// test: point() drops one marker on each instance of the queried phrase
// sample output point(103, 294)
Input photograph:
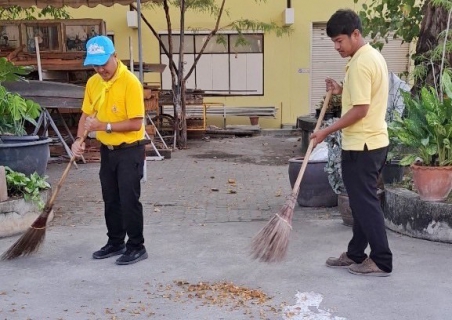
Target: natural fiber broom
point(31, 240)
point(270, 244)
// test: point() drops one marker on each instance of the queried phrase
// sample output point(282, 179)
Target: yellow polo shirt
point(123, 100)
point(366, 82)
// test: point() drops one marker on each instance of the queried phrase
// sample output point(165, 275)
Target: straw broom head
point(270, 244)
point(31, 240)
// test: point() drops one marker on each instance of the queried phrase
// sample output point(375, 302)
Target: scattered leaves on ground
point(221, 294)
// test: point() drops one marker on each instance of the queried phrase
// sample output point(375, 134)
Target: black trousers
point(120, 174)
point(360, 171)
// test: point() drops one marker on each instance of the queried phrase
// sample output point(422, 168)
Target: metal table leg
point(68, 131)
point(55, 128)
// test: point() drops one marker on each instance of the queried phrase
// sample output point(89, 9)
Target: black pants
point(360, 171)
point(120, 174)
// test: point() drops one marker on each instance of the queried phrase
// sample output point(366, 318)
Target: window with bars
point(230, 65)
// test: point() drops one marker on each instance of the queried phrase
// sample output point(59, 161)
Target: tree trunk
point(180, 121)
point(433, 23)
point(183, 139)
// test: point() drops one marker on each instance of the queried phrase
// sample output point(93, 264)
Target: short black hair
point(343, 21)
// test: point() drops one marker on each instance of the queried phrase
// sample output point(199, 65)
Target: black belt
point(127, 145)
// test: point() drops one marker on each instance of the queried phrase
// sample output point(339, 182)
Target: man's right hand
point(78, 148)
point(333, 85)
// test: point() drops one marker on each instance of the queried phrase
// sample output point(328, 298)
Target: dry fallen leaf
point(231, 181)
point(109, 311)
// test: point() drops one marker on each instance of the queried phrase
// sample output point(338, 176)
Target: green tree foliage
point(19, 13)
point(425, 21)
point(383, 19)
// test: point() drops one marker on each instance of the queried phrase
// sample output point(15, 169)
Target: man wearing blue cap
point(113, 108)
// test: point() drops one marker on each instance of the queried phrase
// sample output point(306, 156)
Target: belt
point(127, 145)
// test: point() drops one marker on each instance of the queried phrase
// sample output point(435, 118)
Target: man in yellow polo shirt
point(113, 108)
point(364, 143)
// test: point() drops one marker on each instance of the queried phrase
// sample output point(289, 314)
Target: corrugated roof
point(69, 3)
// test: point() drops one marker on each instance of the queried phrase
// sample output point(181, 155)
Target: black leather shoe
point(109, 250)
point(132, 256)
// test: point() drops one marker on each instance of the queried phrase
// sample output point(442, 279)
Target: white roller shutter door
point(326, 62)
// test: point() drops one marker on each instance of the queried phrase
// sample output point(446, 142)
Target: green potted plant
point(26, 200)
point(27, 187)
point(425, 133)
point(18, 150)
point(15, 111)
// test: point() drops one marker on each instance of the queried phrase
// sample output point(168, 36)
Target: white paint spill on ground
point(307, 308)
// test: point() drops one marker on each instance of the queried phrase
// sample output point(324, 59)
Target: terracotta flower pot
point(432, 183)
point(254, 120)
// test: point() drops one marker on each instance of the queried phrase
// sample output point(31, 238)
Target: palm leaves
point(426, 128)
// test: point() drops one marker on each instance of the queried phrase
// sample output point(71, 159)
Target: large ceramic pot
point(432, 183)
point(315, 190)
point(26, 154)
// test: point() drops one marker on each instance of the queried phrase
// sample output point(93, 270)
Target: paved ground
point(195, 235)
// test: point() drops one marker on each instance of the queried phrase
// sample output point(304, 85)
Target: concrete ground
point(198, 243)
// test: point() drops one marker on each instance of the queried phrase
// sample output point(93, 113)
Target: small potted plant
point(18, 150)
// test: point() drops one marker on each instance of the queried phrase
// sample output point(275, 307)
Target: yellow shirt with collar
point(366, 82)
point(123, 101)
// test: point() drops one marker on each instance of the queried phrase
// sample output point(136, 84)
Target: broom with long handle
point(271, 242)
point(30, 241)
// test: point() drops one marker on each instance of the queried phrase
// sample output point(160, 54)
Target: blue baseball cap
point(98, 51)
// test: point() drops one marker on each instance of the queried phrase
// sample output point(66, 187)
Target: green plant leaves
point(426, 128)
point(15, 111)
point(11, 72)
point(29, 187)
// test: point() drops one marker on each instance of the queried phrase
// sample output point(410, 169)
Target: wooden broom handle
point(296, 186)
point(50, 202)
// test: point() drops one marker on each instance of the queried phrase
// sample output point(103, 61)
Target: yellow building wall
point(286, 59)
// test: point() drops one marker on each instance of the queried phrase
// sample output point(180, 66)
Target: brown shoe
point(367, 268)
point(342, 262)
